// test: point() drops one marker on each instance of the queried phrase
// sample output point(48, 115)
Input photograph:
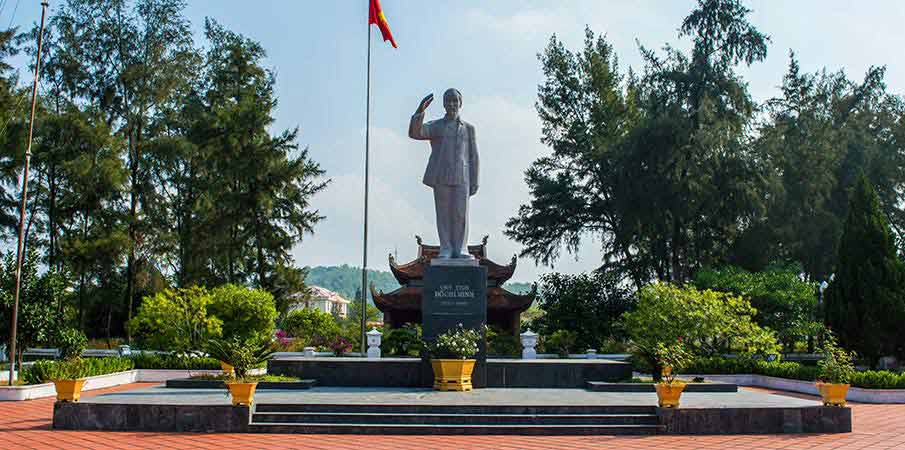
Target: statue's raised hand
point(425, 102)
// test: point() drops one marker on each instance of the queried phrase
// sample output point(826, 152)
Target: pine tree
point(865, 303)
point(261, 184)
point(657, 166)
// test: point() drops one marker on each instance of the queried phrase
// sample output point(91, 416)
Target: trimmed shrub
point(871, 379)
point(404, 341)
point(500, 343)
point(786, 369)
point(314, 327)
point(246, 313)
point(706, 321)
point(46, 371)
point(175, 320)
point(562, 342)
point(878, 379)
point(152, 361)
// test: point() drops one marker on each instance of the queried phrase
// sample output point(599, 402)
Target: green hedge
point(873, 379)
point(152, 361)
point(879, 379)
point(45, 371)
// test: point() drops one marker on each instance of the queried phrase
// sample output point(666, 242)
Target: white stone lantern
point(529, 341)
point(308, 352)
point(373, 343)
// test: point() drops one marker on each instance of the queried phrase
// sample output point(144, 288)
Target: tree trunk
point(20, 351)
point(675, 269)
point(260, 247)
point(109, 321)
point(133, 232)
point(82, 298)
point(51, 219)
point(82, 275)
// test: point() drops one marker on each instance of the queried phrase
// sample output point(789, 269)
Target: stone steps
point(453, 408)
point(458, 419)
point(454, 419)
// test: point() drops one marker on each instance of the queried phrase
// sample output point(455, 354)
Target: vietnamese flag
point(376, 17)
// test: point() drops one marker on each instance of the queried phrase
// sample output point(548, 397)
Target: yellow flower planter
point(242, 393)
point(452, 374)
point(226, 367)
point(833, 394)
point(69, 390)
point(668, 394)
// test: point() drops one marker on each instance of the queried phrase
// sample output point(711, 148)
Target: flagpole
point(19, 256)
point(364, 262)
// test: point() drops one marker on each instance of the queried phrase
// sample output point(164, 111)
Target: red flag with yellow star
point(376, 17)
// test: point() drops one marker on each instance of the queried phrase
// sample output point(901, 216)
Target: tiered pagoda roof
point(404, 304)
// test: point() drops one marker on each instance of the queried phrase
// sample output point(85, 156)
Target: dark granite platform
point(190, 383)
point(602, 386)
point(413, 372)
point(424, 411)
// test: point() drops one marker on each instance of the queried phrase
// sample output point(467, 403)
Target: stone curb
point(855, 394)
point(30, 392)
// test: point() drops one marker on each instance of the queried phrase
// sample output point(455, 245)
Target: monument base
point(456, 296)
point(422, 411)
point(413, 372)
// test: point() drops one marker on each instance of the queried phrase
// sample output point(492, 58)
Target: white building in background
point(324, 300)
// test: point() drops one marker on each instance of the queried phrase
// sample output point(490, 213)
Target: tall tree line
point(675, 167)
point(154, 161)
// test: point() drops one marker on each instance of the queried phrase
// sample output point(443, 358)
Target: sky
point(487, 50)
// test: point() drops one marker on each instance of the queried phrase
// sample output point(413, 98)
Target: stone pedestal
point(373, 343)
point(453, 295)
point(529, 341)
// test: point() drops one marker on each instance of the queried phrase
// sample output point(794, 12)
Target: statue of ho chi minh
point(452, 170)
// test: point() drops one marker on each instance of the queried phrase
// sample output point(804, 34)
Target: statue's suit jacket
point(454, 151)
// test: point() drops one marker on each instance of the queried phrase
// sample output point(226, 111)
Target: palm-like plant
point(242, 355)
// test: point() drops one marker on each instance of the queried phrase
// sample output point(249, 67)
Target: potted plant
point(242, 356)
point(68, 374)
point(672, 359)
point(835, 371)
point(68, 379)
point(451, 358)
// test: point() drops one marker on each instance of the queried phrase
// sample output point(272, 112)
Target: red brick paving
point(26, 425)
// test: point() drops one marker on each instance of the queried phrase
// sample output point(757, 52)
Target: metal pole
point(364, 262)
point(19, 256)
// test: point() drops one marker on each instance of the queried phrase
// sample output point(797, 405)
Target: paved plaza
point(26, 425)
